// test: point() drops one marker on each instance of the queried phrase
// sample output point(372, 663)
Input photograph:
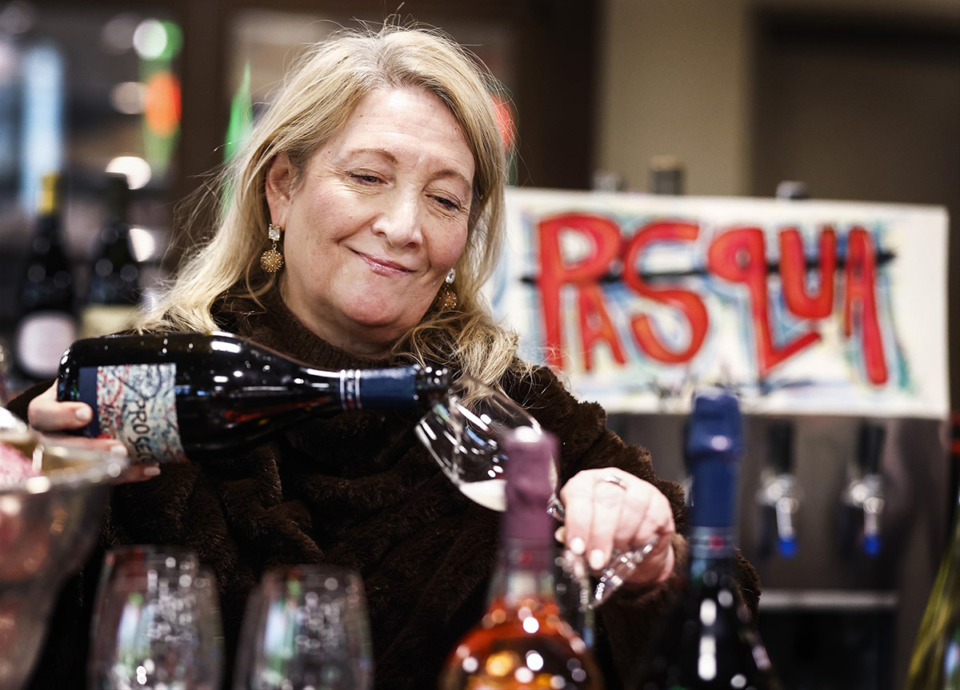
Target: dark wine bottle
point(182, 395)
point(522, 642)
point(113, 294)
point(708, 639)
point(46, 324)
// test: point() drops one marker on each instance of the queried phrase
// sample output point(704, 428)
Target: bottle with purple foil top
point(708, 639)
point(184, 395)
point(522, 640)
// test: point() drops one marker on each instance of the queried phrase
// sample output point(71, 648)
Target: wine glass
point(156, 623)
point(305, 628)
point(463, 431)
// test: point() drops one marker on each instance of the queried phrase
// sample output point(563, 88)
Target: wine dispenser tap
point(779, 495)
point(863, 496)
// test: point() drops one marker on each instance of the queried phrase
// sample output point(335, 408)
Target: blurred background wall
point(858, 99)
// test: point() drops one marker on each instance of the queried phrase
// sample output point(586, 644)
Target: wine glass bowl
point(463, 432)
point(48, 526)
point(305, 627)
point(156, 622)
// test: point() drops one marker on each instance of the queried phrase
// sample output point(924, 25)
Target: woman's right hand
point(48, 415)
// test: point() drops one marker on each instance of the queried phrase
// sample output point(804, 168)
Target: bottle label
point(137, 404)
point(42, 338)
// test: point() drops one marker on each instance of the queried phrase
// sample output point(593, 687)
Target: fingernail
point(150, 471)
point(558, 535)
point(597, 559)
point(84, 414)
point(118, 448)
point(578, 546)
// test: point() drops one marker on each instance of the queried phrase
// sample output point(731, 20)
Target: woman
point(364, 215)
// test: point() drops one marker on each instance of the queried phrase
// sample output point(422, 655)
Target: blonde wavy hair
point(313, 106)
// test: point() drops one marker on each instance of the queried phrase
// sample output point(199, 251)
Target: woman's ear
point(279, 180)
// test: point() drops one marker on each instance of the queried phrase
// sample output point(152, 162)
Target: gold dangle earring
point(272, 260)
point(447, 298)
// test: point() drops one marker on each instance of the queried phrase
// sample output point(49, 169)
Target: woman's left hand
point(609, 510)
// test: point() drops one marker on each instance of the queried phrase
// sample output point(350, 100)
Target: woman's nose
point(399, 221)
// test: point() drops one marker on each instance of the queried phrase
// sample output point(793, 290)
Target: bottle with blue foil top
point(708, 639)
point(176, 396)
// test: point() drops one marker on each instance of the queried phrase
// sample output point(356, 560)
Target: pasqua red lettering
point(740, 256)
point(860, 303)
point(793, 274)
point(686, 302)
point(596, 326)
point(604, 237)
point(737, 255)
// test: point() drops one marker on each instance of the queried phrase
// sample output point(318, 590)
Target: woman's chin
point(387, 318)
point(378, 328)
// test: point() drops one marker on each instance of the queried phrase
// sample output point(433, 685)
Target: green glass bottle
point(935, 662)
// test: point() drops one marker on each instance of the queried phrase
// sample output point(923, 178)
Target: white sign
point(801, 306)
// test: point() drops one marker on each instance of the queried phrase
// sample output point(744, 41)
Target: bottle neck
point(49, 196)
point(712, 549)
point(48, 231)
point(714, 492)
point(525, 572)
point(712, 534)
point(527, 551)
point(381, 388)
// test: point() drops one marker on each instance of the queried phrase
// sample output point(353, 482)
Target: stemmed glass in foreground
point(463, 432)
point(305, 627)
point(156, 622)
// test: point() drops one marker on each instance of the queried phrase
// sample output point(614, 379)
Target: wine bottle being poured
point(179, 395)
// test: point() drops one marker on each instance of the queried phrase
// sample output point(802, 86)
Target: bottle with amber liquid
point(708, 640)
point(185, 395)
point(522, 641)
point(113, 293)
point(47, 323)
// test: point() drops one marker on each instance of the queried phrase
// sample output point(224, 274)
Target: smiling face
point(376, 220)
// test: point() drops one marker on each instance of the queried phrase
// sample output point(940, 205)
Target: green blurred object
point(935, 662)
point(241, 116)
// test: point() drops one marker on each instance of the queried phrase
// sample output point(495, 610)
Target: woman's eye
point(447, 203)
point(366, 178)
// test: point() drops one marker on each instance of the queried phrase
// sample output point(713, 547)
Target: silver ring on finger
point(615, 480)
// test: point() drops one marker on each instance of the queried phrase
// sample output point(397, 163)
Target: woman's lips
point(384, 266)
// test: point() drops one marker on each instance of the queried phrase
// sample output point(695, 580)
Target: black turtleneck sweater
point(357, 490)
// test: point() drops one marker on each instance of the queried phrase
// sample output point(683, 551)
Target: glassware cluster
point(157, 626)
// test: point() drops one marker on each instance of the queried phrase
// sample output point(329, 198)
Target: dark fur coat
point(357, 490)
